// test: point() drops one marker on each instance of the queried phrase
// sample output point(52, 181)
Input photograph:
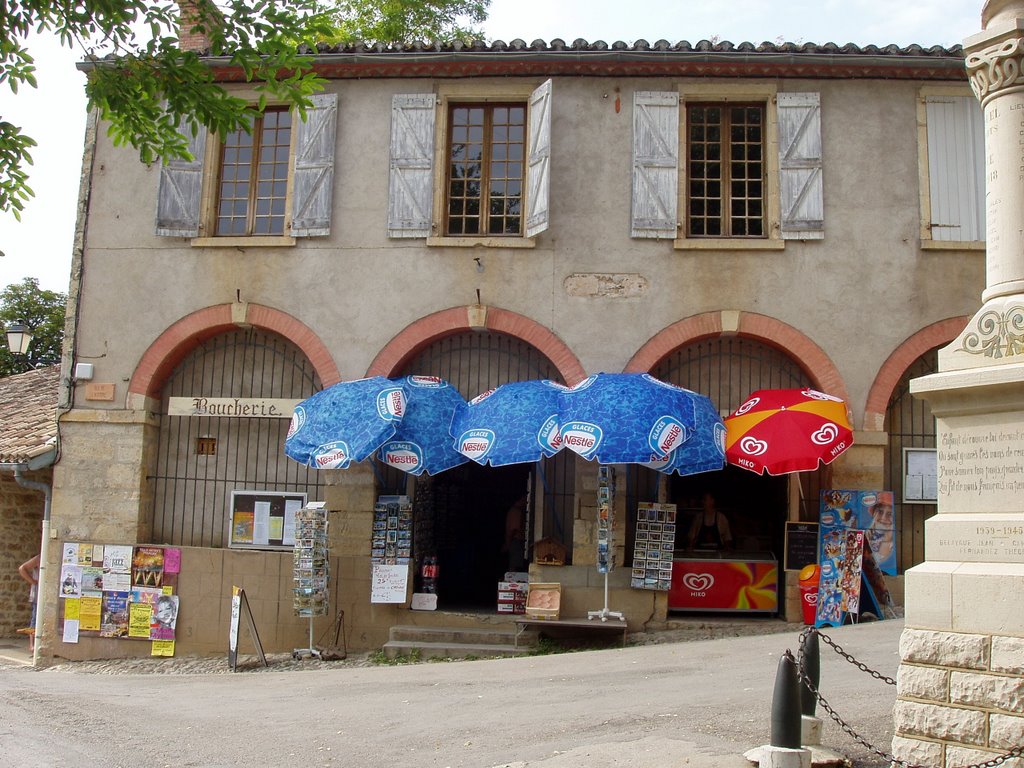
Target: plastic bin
point(809, 577)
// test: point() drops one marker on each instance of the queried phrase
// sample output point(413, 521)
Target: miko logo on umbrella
point(826, 435)
point(404, 455)
point(476, 443)
point(333, 455)
point(391, 404)
point(753, 447)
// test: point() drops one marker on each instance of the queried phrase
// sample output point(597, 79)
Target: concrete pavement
point(668, 705)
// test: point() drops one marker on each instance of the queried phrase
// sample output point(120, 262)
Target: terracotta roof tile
point(28, 414)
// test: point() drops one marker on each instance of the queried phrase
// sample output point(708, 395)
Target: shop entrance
point(467, 518)
point(756, 506)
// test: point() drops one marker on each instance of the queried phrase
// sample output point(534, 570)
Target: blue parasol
point(344, 423)
point(422, 442)
point(515, 423)
point(625, 418)
point(704, 450)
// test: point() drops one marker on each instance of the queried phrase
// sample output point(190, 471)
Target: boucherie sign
point(234, 407)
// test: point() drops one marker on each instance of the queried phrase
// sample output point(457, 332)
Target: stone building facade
point(838, 251)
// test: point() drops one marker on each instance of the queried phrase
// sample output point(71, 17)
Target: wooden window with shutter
point(252, 178)
point(485, 169)
point(725, 146)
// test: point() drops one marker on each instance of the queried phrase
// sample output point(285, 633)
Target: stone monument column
point(961, 680)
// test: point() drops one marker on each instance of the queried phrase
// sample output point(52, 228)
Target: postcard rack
point(605, 536)
point(311, 569)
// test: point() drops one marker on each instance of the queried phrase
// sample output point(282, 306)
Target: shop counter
point(725, 582)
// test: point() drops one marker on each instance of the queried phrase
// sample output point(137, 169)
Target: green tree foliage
point(143, 85)
point(405, 21)
point(43, 312)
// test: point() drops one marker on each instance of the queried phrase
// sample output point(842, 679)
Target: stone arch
point(892, 370)
point(419, 334)
point(818, 365)
point(171, 346)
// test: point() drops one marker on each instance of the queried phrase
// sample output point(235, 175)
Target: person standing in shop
point(711, 528)
point(515, 535)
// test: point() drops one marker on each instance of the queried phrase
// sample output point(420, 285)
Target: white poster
point(291, 506)
point(261, 523)
point(70, 631)
point(388, 583)
point(117, 558)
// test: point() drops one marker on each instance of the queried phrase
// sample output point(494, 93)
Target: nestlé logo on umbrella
point(549, 436)
point(667, 434)
point(391, 404)
point(333, 455)
point(476, 443)
point(582, 437)
point(403, 454)
point(297, 422)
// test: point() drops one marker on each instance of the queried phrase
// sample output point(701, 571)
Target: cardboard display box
point(543, 600)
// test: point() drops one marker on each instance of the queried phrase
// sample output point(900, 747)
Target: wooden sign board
point(239, 608)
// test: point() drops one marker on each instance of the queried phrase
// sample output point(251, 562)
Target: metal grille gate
point(201, 459)
point(727, 369)
point(910, 424)
point(474, 362)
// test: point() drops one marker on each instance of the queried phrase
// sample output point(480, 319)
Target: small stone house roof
point(28, 414)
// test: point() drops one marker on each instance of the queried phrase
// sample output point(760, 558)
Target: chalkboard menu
point(801, 545)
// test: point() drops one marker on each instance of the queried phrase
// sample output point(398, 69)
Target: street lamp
point(19, 336)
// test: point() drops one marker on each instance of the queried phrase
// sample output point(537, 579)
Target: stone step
point(396, 648)
point(457, 642)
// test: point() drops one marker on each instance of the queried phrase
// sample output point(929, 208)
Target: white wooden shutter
point(956, 167)
point(655, 163)
point(313, 168)
point(180, 189)
point(538, 168)
point(410, 188)
point(801, 191)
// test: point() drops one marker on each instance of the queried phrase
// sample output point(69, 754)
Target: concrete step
point(457, 642)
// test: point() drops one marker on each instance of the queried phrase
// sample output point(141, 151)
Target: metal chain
point(838, 649)
point(848, 729)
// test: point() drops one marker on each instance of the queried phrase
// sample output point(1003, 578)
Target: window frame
point(726, 179)
point(475, 93)
point(211, 194)
point(254, 164)
point(732, 93)
point(486, 163)
point(924, 172)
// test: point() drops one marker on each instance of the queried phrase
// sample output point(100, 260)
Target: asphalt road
point(689, 704)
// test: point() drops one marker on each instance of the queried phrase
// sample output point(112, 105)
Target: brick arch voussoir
point(892, 370)
point(421, 333)
point(822, 371)
point(170, 348)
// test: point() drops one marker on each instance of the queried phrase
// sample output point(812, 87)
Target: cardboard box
point(511, 606)
point(544, 600)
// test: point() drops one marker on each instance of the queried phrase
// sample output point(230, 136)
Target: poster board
point(801, 547)
point(263, 519)
point(920, 476)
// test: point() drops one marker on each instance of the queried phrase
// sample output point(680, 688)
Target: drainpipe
point(44, 547)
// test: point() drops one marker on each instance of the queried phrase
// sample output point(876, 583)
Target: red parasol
point(787, 430)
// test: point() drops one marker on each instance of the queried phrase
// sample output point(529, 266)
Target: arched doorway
point(909, 424)
point(460, 515)
point(727, 368)
point(200, 460)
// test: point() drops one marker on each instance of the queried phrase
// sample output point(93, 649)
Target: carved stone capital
point(994, 336)
point(996, 67)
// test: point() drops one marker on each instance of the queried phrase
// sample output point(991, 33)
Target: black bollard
point(786, 705)
point(810, 667)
